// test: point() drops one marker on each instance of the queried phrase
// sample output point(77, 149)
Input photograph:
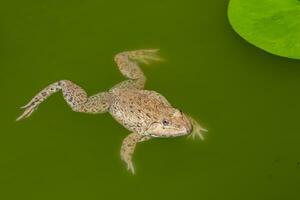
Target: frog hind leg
point(74, 95)
point(128, 64)
point(128, 146)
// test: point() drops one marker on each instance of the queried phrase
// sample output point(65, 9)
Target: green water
point(248, 99)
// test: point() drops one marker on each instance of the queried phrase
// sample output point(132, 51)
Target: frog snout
point(189, 129)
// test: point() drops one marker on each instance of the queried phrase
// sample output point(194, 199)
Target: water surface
point(248, 99)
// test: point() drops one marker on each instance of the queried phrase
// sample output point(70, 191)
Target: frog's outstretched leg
point(197, 129)
point(128, 147)
point(128, 65)
point(74, 95)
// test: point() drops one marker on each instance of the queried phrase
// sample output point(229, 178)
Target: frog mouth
point(168, 135)
point(170, 131)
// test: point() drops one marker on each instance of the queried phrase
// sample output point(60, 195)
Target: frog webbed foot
point(145, 56)
point(29, 109)
point(198, 130)
point(129, 163)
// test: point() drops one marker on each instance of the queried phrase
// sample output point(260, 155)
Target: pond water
point(246, 98)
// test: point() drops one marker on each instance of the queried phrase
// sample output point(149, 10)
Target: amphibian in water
point(147, 114)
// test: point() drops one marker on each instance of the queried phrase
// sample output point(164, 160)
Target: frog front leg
point(128, 147)
point(74, 95)
point(128, 61)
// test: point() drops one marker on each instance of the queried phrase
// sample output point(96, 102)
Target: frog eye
point(165, 122)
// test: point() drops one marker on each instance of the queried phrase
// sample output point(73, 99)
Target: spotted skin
point(74, 95)
point(147, 114)
point(128, 65)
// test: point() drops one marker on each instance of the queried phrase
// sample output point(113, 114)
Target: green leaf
point(272, 25)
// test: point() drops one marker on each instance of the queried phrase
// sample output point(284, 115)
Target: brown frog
point(147, 114)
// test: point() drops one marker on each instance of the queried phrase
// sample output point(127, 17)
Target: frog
point(147, 114)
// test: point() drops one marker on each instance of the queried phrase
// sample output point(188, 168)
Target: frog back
point(137, 109)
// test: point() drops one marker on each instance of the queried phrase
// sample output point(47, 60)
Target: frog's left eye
point(165, 122)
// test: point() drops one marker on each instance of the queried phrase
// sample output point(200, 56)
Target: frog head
point(173, 123)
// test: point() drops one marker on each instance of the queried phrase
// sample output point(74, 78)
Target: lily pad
point(272, 25)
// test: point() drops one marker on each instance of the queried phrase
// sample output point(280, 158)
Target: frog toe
point(198, 132)
point(146, 56)
point(130, 167)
